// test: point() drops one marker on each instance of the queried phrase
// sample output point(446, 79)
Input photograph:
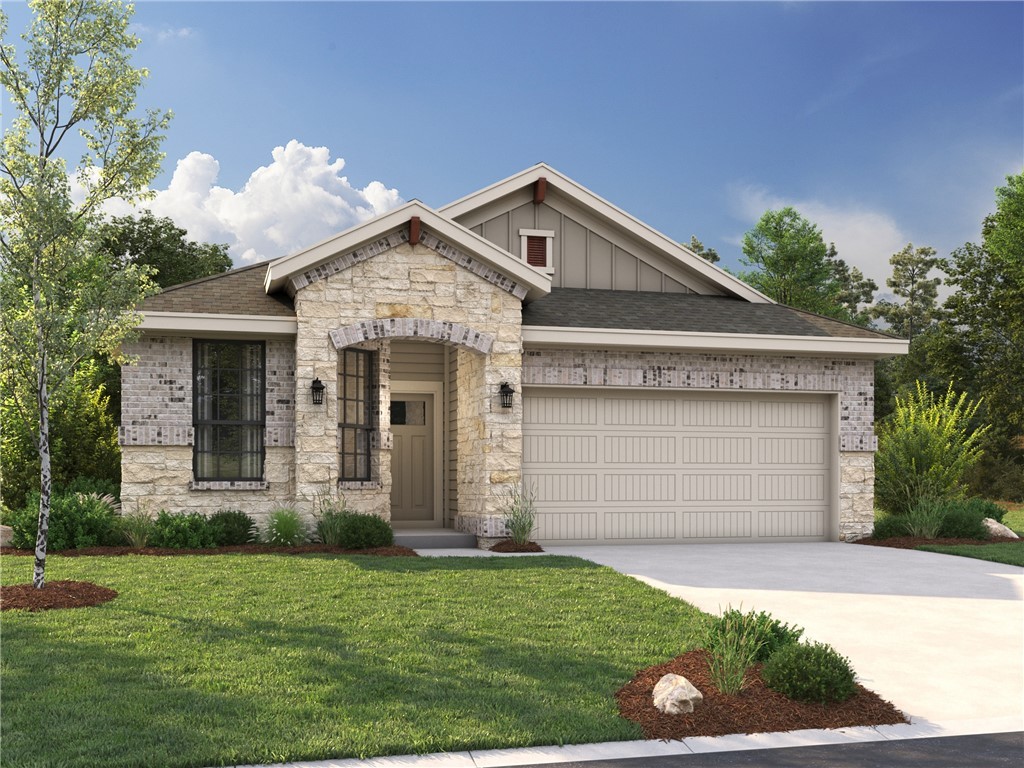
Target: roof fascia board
point(537, 283)
point(614, 214)
point(194, 323)
point(550, 336)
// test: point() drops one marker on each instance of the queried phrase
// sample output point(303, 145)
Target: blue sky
point(882, 122)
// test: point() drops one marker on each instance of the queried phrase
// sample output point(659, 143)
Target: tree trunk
point(45, 481)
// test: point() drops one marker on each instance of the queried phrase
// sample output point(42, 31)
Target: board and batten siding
point(679, 466)
point(586, 253)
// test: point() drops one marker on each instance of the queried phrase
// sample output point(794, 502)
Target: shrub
point(963, 520)
point(77, 520)
point(231, 527)
point(190, 531)
point(888, 526)
point(925, 520)
point(985, 508)
point(732, 643)
point(813, 672)
point(520, 513)
point(931, 519)
point(284, 528)
point(999, 477)
point(329, 527)
point(767, 632)
point(358, 531)
point(137, 528)
point(925, 449)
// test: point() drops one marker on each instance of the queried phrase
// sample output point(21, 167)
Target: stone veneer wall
point(156, 434)
point(410, 292)
point(853, 380)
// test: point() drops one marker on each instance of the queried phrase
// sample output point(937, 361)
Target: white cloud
point(161, 34)
point(864, 238)
point(297, 200)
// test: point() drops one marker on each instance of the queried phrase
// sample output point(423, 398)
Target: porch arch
point(412, 328)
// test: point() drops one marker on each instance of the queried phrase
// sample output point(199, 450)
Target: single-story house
point(424, 362)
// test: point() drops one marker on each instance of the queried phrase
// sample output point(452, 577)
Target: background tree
point(793, 266)
point(63, 298)
point(708, 254)
point(162, 245)
point(911, 282)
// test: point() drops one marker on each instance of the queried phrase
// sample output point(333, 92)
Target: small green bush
point(76, 521)
point(985, 508)
point(814, 672)
point(767, 632)
point(137, 528)
point(358, 531)
point(284, 528)
point(232, 527)
point(963, 520)
point(888, 526)
point(191, 531)
point(330, 516)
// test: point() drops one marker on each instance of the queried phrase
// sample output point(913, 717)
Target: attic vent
point(537, 248)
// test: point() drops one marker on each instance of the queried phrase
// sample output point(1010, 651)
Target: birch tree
point(73, 89)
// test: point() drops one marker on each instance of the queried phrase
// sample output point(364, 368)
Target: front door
point(414, 460)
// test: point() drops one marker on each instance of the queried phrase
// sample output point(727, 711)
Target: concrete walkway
point(940, 637)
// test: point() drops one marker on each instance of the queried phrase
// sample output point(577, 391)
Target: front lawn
point(1014, 518)
point(267, 658)
point(1010, 554)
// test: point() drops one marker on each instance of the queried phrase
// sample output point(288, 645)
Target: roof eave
point(875, 349)
point(204, 323)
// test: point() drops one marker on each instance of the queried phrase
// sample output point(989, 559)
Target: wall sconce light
point(506, 391)
point(317, 389)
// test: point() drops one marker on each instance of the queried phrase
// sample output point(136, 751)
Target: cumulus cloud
point(297, 200)
point(864, 238)
point(160, 34)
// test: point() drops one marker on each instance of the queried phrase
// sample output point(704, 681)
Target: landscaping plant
point(810, 672)
point(77, 520)
point(284, 528)
point(767, 632)
point(137, 528)
point(330, 514)
point(191, 531)
point(732, 642)
point(359, 531)
point(231, 527)
point(520, 513)
point(925, 449)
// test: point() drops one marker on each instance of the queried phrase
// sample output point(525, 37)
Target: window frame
point(549, 241)
point(366, 403)
point(257, 425)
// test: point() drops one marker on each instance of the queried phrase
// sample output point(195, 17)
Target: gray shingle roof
point(685, 312)
point(238, 292)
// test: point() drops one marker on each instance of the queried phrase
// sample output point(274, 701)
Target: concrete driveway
point(941, 637)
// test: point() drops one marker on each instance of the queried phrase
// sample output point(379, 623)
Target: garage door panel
point(717, 524)
point(705, 487)
point(564, 487)
point(716, 413)
point(716, 450)
point(791, 415)
point(560, 410)
point(790, 487)
point(560, 449)
point(633, 412)
point(567, 526)
point(642, 450)
point(639, 487)
point(790, 524)
point(631, 524)
point(803, 451)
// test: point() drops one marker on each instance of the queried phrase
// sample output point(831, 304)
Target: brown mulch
point(251, 549)
point(911, 542)
point(54, 594)
point(756, 709)
point(507, 545)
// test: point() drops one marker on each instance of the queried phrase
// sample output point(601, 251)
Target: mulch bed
point(755, 709)
point(54, 594)
point(250, 549)
point(507, 545)
point(912, 542)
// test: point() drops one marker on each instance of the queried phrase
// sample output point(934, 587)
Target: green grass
point(248, 659)
point(1014, 518)
point(1010, 554)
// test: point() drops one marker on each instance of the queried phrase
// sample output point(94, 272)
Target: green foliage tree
point(986, 311)
point(925, 449)
point(64, 299)
point(162, 245)
point(792, 265)
point(708, 254)
point(911, 282)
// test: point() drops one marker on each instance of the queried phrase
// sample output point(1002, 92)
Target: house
point(424, 362)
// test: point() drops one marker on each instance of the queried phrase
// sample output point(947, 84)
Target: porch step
point(434, 538)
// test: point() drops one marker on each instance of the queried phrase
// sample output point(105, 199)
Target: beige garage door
point(629, 466)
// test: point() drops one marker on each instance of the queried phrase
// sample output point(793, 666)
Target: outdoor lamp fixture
point(506, 393)
point(317, 388)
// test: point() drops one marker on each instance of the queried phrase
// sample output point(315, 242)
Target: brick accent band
point(412, 328)
point(343, 262)
point(466, 261)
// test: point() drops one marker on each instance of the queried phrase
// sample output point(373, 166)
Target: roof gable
point(681, 265)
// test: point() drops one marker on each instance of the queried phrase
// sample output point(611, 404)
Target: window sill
point(228, 485)
point(358, 485)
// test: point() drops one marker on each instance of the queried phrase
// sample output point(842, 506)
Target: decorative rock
point(6, 535)
point(998, 529)
point(675, 695)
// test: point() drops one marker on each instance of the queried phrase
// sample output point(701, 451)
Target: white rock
point(6, 535)
point(998, 529)
point(675, 695)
